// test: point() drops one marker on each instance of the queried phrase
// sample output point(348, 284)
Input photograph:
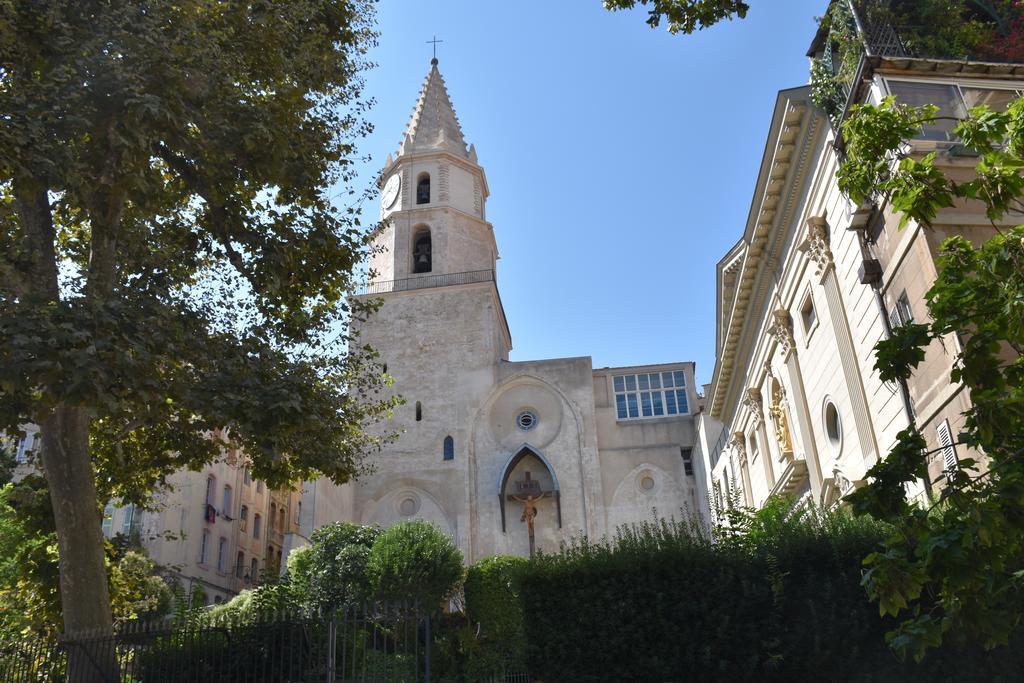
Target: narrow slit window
point(419, 411)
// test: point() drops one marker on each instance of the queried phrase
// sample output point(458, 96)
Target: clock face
point(390, 192)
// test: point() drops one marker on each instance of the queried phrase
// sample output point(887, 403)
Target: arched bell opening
point(423, 189)
point(422, 250)
point(527, 473)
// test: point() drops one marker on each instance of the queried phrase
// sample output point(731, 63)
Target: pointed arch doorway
point(529, 481)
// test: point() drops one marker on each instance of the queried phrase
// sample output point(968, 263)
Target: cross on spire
point(434, 42)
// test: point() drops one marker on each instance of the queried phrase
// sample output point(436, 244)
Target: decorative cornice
point(794, 127)
point(781, 328)
point(739, 446)
point(816, 245)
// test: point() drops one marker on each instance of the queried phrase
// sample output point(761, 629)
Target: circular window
point(526, 420)
point(647, 483)
point(408, 507)
point(833, 425)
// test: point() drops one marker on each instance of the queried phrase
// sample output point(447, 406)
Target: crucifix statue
point(531, 489)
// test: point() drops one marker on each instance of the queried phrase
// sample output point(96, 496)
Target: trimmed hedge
point(782, 601)
point(492, 601)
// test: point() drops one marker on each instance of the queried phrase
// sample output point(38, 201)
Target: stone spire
point(434, 127)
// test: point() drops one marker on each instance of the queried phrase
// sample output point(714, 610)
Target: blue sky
point(620, 159)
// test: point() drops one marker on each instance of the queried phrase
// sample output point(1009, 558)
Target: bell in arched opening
point(423, 189)
point(421, 253)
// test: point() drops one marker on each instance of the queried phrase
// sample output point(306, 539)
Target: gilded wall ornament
point(779, 412)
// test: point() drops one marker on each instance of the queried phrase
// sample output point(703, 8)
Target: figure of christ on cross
point(529, 501)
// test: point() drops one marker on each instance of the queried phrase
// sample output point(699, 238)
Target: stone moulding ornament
point(752, 400)
point(781, 328)
point(816, 246)
point(738, 444)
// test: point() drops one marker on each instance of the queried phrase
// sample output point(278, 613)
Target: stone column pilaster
point(817, 248)
point(752, 399)
point(782, 329)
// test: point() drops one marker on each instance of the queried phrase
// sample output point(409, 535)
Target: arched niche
point(542, 480)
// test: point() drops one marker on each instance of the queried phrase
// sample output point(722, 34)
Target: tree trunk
point(85, 597)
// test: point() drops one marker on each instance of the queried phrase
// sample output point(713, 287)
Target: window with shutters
point(945, 436)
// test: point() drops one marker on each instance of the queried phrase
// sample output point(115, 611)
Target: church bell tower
point(441, 330)
point(433, 198)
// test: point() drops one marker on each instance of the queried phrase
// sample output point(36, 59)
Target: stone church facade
point(479, 433)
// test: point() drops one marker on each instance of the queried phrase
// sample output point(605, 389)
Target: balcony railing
point(428, 281)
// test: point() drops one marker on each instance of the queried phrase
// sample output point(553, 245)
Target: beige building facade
point(795, 405)
point(480, 434)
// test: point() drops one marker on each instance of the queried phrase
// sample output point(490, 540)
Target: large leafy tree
point(956, 568)
point(174, 273)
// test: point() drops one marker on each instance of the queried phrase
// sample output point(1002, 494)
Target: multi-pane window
point(653, 394)
point(256, 525)
point(901, 314)
point(128, 519)
point(26, 445)
point(226, 501)
point(243, 515)
point(953, 102)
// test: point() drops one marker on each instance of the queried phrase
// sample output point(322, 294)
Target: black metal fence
point(369, 643)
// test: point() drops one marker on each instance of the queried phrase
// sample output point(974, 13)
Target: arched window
point(423, 189)
point(284, 521)
point(240, 565)
point(256, 519)
point(449, 448)
point(419, 411)
point(273, 516)
point(226, 501)
point(298, 512)
point(243, 516)
point(254, 570)
point(422, 248)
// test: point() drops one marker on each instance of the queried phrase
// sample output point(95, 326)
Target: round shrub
point(415, 561)
point(333, 574)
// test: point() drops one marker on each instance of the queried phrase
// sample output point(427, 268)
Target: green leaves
point(952, 571)
point(684, 16)
point(896, 357)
